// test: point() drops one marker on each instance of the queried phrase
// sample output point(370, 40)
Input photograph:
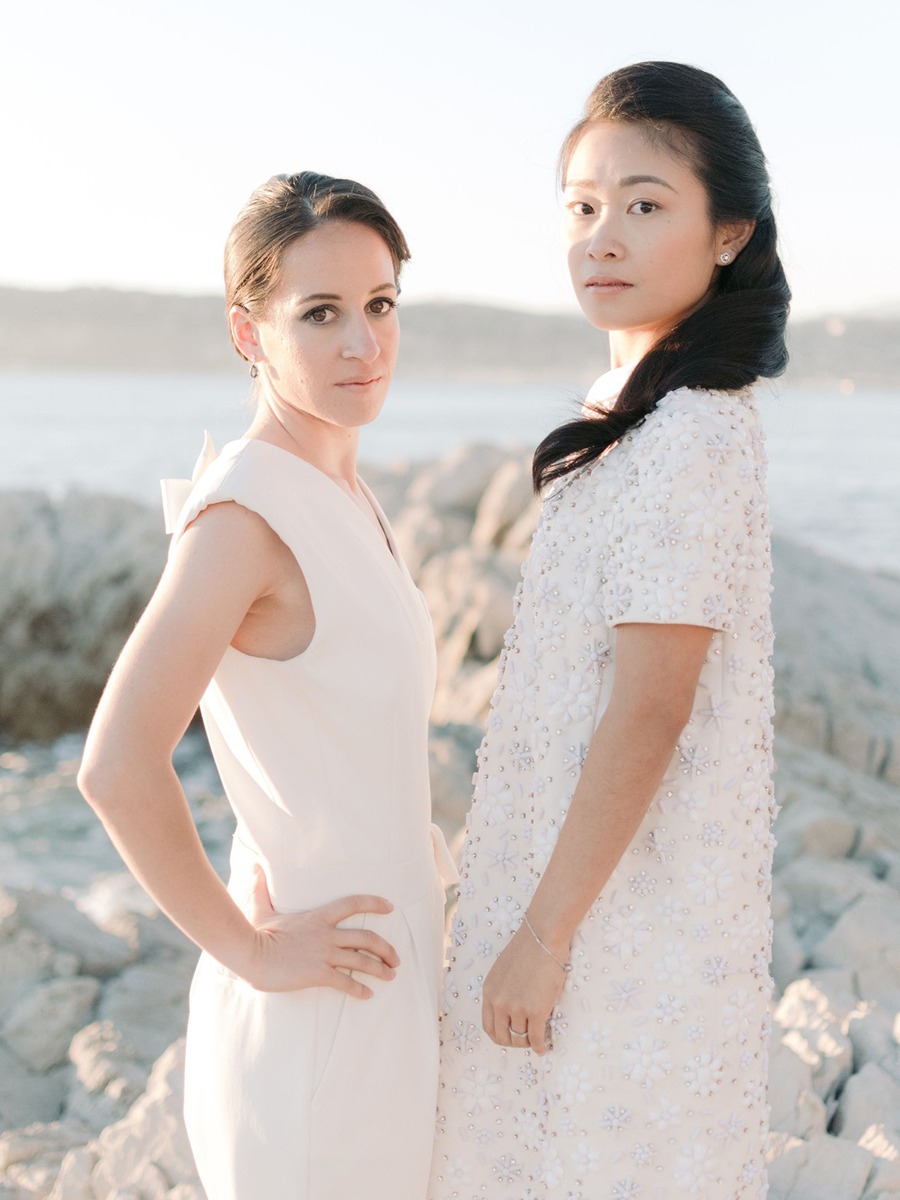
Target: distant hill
point(96, 329)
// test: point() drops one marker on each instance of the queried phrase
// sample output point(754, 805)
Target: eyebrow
point(628, 181)
point(332, 296)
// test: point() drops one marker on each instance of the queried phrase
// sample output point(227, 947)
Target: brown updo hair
point(282, 210)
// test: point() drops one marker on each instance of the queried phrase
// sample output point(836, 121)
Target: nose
point(604, 241)
point(361, 342)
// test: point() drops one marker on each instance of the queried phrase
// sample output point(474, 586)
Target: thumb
point(260, 900)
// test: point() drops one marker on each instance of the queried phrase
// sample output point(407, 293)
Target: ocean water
point(834, 480)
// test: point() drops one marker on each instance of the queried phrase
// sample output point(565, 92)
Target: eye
point(643, 207)
point(323, 315)
point(382, 305)
point(581, 208)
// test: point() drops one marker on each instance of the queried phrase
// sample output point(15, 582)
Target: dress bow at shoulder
point(175, 492)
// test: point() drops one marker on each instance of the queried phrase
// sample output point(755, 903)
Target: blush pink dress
point(312, 1094)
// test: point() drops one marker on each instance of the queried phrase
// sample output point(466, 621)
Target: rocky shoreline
point(93, 981)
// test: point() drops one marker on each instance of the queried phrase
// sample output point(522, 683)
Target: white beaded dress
point(655, 1086)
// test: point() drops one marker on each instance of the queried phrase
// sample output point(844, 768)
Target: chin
point(362, 418)
point(596, 316)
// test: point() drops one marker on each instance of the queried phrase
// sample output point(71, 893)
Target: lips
point(606, 283)
point(359, 382)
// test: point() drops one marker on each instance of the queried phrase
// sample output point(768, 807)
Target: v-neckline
point(382, 533)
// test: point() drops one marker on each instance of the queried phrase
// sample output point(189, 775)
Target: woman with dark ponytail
point(605, 1022)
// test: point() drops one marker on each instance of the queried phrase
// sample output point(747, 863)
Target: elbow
point(679, 713)
point(100, 779)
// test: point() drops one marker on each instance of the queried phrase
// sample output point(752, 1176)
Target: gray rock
point(821, 889)
point(458, 480)
point(880, 981)
point(41, 1145)
point(815, 1025)
point(867, 934)
point(870, 1098)
point(152, 933)
point(27, 1096)
point(421, 534)
point(884, 1146)
point(803, 718)
point(836, 647)
point(813, 828)
point(40, 1027)
point(74, 1179)
point(59, 922)
point(451, 751)
point(150, 1144)
point(75, 574)
point(785, 1156)
point(506, 498)
point(819, 998)
point(466, 697)
point(32, 1178)
point(109, 1075)
point(823, 1168)
point(25, 960)
point(518, 540)
point(788, 954)
point(470, 595)
point(872, 1033)
point(148, 1004)
point(796, 1109)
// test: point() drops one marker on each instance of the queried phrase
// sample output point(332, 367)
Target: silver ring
point(515, 1033)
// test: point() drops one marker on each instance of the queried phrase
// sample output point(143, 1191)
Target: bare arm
point(657, 670)
point(128, 777)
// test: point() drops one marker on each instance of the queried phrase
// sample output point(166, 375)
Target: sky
point(134, 132)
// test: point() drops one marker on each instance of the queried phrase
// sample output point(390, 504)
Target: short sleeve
point(681, 524)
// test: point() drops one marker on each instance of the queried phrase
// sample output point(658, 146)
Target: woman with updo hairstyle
point(605, 1006)
point(286, 612)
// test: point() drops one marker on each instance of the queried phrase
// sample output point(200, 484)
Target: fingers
point(355, 960)
point(537, 1036)
point(346, 983)
point(349, 906)
point(372, 943)
point(487, 1019)
point(502, 1023)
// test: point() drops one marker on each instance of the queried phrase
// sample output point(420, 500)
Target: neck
point(330, 448)
point(628, 346)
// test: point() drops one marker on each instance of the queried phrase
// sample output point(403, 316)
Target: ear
point(733, 237)
point(244, 333)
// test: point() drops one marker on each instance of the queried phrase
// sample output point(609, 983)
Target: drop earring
point(254, 369)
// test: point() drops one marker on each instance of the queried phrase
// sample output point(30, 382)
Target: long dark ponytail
point(737, 335)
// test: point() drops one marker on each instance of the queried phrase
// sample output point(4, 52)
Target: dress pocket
point(331, 1017)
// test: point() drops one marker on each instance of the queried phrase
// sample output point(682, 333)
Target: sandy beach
point(93, 981)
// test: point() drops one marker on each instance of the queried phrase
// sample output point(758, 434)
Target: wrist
point(553, 929)
point(559, 955)
point(243, 953)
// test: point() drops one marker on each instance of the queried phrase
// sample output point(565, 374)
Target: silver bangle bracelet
point(566, 966)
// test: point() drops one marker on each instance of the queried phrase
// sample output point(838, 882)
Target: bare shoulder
point(228, 536)
point(228, 523)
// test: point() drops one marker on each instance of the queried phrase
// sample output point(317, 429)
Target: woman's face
point(328, 340)
point(642, 250)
